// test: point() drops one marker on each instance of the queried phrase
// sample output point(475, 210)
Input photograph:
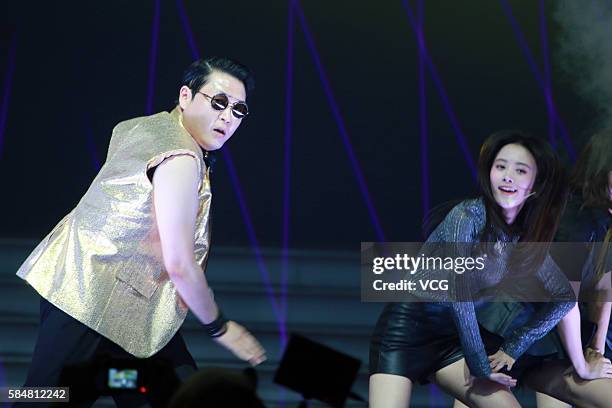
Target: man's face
point(209, 127)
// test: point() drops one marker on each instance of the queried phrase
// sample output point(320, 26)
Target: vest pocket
point(140, 276)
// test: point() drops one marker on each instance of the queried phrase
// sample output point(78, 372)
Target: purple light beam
point(287, 162)
point(153, 58)
point(441, 91)
point(423, 114)
point(195, 53)
point(531, 61)
point(8, 80)
point(340, 122)
point(93, 151)
point(547, 76)
point(241, 201)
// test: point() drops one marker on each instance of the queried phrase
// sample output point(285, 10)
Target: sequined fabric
point(102, 264)
point(464, 224)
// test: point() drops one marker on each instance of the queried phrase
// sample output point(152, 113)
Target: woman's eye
point(521, 171)
point(500, 166)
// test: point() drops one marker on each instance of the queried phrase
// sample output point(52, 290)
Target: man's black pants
point(65, 342)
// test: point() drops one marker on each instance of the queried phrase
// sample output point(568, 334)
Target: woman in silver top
point(523, 194)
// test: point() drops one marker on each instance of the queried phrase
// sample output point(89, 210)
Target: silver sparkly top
point(464, 224)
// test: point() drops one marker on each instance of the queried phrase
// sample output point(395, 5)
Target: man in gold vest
point(119, 272)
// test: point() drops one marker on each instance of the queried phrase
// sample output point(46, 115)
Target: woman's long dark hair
point(539, 217)
point(590, 176)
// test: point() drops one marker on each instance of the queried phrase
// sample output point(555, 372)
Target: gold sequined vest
point(102, 264)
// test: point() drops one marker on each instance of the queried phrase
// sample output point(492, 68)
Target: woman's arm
point(590, 368)
point(569, 332)
point(548, 315)
point(599, 312)
point(454, 237)
point(459, 230)
point(476, 358)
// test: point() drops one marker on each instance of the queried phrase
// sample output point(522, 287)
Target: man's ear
point(184, 96)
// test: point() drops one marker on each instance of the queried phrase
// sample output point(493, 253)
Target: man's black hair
point(196, 75)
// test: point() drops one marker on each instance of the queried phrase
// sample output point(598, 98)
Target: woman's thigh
point(389, 391)
point(546, 401)
point(557, 379)
point(455, 380)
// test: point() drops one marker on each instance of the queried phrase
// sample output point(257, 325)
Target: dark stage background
point(71, 70)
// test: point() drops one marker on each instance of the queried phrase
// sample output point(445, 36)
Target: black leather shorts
point(414, 340)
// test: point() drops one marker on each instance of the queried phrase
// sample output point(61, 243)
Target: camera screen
point(123, 379)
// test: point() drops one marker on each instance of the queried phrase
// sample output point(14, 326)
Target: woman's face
point(512, 177)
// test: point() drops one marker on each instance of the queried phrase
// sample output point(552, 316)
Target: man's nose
point(226, 114)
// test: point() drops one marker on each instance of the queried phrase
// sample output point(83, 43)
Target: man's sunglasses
point(220, 102)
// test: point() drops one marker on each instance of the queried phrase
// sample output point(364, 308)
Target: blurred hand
point(239, 341)
point(500, 359)
point(597, 366)
point(503, 379)
point(499, 378)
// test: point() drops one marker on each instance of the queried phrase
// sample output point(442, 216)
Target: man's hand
point(500, 359)
point(239, 341)
point(597, 366)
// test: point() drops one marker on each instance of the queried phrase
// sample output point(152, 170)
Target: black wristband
point(217, 327)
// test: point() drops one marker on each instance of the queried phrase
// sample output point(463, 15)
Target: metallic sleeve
point(464, 317)
point(461, 226)
point(548, 315)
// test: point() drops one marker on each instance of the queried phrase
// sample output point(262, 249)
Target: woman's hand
point(596, 366)
point(500, 359)
point(503, 379)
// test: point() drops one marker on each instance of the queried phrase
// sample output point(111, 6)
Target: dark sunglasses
point(220, 102)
